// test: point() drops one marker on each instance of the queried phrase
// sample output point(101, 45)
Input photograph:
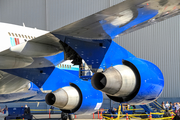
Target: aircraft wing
point(121, 18)
point(90, 38)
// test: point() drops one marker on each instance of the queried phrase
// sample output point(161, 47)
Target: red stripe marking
point(174, 7)
point(165, 7)
point(16, 41)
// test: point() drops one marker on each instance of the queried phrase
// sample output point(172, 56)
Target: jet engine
point(79, 97)
point(135, 81)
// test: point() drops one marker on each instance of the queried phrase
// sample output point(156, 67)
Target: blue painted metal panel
point(114, 56)
point(56, 59)
point(151, 78)
point(151, 81)
point(96, 55)
point(74, 72)
point(91, 98)
point(58, 79)
point(89, 50)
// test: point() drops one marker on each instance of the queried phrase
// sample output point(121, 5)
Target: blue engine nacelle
point(79, 97)
point(135, 82)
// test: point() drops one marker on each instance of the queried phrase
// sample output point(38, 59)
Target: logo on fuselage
point(14, 41)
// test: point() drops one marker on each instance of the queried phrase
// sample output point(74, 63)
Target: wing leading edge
point(118, 19)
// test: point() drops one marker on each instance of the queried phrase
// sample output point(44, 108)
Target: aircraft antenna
point(24, 25)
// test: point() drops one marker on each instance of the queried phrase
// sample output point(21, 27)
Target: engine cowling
point(117, 81)
point(66, 98)
point(79, 97)
point(136, 81)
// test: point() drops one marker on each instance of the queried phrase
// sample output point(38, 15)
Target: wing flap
point(48, 38)
point(35, 49)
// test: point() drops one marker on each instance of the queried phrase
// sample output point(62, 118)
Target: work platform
point(58, 117)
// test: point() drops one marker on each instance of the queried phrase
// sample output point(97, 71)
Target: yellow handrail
point(119, 115)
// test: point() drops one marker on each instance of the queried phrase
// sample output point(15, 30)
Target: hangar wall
point(158, 43)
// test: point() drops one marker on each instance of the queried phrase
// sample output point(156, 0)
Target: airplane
point(36, 55)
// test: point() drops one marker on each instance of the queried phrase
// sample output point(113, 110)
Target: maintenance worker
point(71, 116)
point(64, 116)
point(112, 111)
point(134, 107)
point(27, 111)
point(2, 116)
point(52, 109)
point(167, 105)
point(167, 113)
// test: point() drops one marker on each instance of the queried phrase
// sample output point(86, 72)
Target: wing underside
point(90, 38)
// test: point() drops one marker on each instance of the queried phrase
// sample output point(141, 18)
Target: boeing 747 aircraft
point(38, 56)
